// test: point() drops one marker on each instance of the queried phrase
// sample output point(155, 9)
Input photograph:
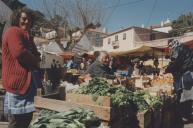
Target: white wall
point(123, 44)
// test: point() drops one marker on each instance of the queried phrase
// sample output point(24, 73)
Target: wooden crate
point(52, 104)
point(4, 124)
point(89, 99)
point(156, 90)
point(156, 118)
point(59, 106)
point(169, 119)
point(144, 119)
point(101, 106)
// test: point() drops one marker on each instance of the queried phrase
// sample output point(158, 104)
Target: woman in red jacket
point(20, 60)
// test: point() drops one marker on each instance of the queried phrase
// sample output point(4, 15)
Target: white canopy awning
point(141, 50)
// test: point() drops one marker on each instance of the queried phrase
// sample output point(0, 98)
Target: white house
point(128, 38)
point(165, 26)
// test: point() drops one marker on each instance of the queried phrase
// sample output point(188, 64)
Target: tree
point(14, 4)
point(40, 21)
point(182, 24)
point(88, 12)
point(71, 14)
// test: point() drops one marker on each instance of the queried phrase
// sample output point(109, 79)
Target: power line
point(112, 12)
point(151, 13)
point(124, 4)
point(119, 5)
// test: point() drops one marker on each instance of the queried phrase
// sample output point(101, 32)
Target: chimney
point(162, 23)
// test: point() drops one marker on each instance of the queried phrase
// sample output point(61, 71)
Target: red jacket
point(19, 56)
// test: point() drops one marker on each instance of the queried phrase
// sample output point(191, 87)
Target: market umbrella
point(137, 50)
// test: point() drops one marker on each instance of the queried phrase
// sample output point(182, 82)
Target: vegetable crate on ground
point(102, 107)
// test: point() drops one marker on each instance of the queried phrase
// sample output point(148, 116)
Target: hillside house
point(130, 38)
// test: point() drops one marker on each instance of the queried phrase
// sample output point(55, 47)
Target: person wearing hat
point(181, 67)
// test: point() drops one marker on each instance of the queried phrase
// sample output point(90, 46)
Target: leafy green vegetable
point(75, 118)
point(120, 96)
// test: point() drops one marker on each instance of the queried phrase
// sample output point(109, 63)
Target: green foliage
point(182, 24)
point(120, 96)
point(74, 118)
point(121, 99)
point(145, 101)
point(97, 86)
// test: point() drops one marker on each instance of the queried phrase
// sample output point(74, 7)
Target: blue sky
point(137, 12)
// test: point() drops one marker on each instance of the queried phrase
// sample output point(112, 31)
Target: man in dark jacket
point(100, 68)
point(181, 63)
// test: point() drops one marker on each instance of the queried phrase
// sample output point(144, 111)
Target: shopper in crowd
point(19, 69)
point(53, 64)
point(82, 66)
point(181, 67)
point(100, 68)
point(113, 65)
point(156, 64)
point(130, 68)
point(101, 65)
point(141, 68)
point(69, 63)
point(53, 74)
